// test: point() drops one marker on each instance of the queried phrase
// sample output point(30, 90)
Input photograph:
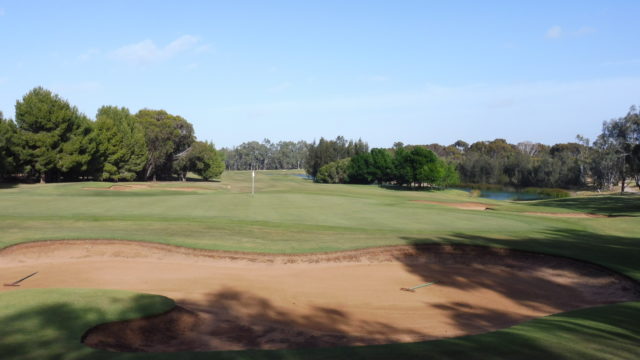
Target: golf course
point(301, 270)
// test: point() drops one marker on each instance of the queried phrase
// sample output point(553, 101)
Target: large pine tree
point(56, 139)
point(121, 144)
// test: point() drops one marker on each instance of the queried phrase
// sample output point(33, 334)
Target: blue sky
point(384, 71)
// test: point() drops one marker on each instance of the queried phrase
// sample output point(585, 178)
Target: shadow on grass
point(619, 253)
point(8, 185)
point(35, 325)
point(612, 205)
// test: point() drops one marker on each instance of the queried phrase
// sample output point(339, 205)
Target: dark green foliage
point(166, 137)
point(56, 139)
point(121, 143)
point(361, 169)
point(327, 151)
point(382, 165)
point(334, 172)
point(202, 159)
point(9, 161)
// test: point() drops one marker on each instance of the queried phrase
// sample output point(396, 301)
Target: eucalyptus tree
point(200, 158)
point(166, 136)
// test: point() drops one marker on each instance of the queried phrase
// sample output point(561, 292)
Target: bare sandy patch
point(457, 205)
point(237, 300)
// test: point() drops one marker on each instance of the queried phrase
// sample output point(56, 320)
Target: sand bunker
point(142, 186)
point(457, 205)
point(234, 300)
point(119, 187)
point(565, 215)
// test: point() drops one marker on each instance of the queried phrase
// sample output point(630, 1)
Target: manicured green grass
point(289, 214)
point(49, 323)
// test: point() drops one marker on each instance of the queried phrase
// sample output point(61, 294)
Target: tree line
point(253, 155)
point(342, 161)
point(50, 140)
point(611, 159)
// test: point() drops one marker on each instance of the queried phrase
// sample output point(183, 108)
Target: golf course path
point(234, 300)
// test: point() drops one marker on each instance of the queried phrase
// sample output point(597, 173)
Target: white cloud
point(147, 52)
point(554, 32)
point(2, 12)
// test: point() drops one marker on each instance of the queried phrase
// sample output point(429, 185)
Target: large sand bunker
point(232, 300)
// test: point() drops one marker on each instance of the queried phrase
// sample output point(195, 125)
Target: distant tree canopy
point(266, 155)
point(405, 166)
point(52, 141)
point(326, 151)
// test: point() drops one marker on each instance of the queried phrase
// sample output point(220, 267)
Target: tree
point(9, 161)
point(327, 151)
point(616, 141)
point(424, 166)
point(202, 159)
point(121, 144)
point(335, 172)
point(166, 137)
point(361, 169)
point(56, 138)
point(382, 164)
point(403, 171)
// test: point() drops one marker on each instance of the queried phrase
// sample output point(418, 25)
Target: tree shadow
point(53, 329)
point(8, 185)
point(234, 320)
point(611, 205)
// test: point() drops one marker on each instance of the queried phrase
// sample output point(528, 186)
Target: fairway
point(240, 270)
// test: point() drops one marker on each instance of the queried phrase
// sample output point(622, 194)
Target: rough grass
point(289, 214)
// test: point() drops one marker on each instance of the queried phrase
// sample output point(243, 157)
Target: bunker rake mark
point(17, 283)
point(413, 289)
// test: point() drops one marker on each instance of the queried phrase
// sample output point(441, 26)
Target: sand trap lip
point(457, 205)
point(236, 300)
